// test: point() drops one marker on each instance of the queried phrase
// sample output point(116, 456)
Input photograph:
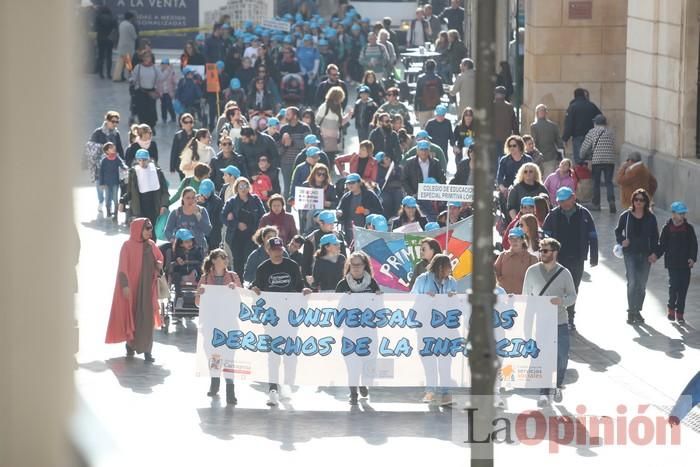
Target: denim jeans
point(563, 345)
point(111, 198)
point(576, 142)
point(100, 193)
point(575, 267)
point(678, 282)
point(605, 170)
point(637, 270)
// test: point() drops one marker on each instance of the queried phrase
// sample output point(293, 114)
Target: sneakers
point(231, 394)
point(352, 400)
point(446, 400)
point(679, 317)
point(364, 392)
point(543, 401)
point(129, 351)
point(631, 317)
point(273, 398)
point(670, 314)
point(214, 387)
point(429, 398)
point(100, 208)
point(558, 396)
point(572, 327)
point(613, 208)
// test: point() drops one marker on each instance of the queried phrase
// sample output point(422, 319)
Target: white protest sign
point(437, 192)
point(368, 339)
point(409, 228)
point(275, 25)
point(308, 198)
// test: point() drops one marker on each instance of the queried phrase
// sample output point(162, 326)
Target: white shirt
point(418, 33)
point(424, 167)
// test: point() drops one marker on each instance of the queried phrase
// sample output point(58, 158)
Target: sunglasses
point(226, 144)
point(512, 145)
point(527, 171)
point(114, 121)
point(545, 250)
point(187, 122)
point(243, 186)
point(321, 174)
point(641, 200)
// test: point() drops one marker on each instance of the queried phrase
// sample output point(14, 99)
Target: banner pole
point(447, 233)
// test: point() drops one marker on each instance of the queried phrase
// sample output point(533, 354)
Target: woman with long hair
point(408, 213)
point(464, 129)
point(429, 247)
point(141, 137)
point(528, 182)
point(441, 46)
point(235, 121)
point(638, 233)
point(563, 176)
point(533, 233)
point(357, 278)
point(330, 120)
point(255, 259)
point(197, 150)
point(319, 177)
point(191, 56)
point(329, 265)
point(376, 90)
point(356, 204)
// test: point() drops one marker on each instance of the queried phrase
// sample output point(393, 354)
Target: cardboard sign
point(213, 84)
point(437, 192)
point(308, 198)
point(275, 25)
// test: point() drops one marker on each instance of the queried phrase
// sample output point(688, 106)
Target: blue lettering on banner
point(402, 348)
point(442, 347)
point(504, 319)
point(359, 347)
point(259, 314)
point(449, 319)
point(514, 348)
point(345, 317)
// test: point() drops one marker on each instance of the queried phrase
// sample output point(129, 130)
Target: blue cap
point(307, 37)
point(362, 89)
point(454, 204)
point(365, 20)
point(311, 139)
point(206, 188)
point(220, 65)
point(329, 239)
point(327, 217)
point(379, 156)
point(516, 232)
point(430, 181)
point(355, 27)
point(313, 151)
point(287, 39)
point(679, 207)
point(441, 110)
point(353, 178)
point(282, 112)
point(200, 37)
point(564, 193)
point(322, 42)
point(187, 70)
point(235, 83)
point(423, 144)
point(431, 226)
point(370, 218)
point(330, 32)
point(422, 135)
point(380, 224)
point(165, 61)
point(232, 170)
point(142, 154)
point(273, 121)
point(409, 202)
point(248, 24)
point(527, 201)
point(468, 141)
point(184, 234)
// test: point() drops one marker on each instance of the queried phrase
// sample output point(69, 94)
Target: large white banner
point(367, 339)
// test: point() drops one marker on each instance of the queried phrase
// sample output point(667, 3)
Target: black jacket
point(218, 163)
point(386, 141)
point(462, 174)
point(679, 244)
point(264, 144)
point(311, 243)
point(588, 235)
point(99, 136)
point(327, 274)
point(643, 233)
point(323, 88)
point(369, 201)
point(105, 23)
point(363, 120)
point(180, 140)
point(412, 174)
point(579, 118)
point(130, 155)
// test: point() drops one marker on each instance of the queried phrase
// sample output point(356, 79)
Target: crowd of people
point(243, 152)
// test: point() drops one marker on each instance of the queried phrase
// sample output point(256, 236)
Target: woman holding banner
point(358, 279)
point(429, 247)
point(408, 214)
point(437, 280)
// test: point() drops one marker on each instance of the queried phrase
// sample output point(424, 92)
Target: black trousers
point(104, 57)
point(678, 283)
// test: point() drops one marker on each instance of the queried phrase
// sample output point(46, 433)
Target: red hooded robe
point(121, 318)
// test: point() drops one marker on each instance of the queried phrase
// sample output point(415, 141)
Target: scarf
point(108, 132)
point(143, 144)
point(361, 285)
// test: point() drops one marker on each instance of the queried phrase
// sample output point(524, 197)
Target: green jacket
point(187, 181)
point(435, 151)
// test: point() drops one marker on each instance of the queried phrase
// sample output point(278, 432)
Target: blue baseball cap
point(142, 154)
point(232, 170)
point(288, 39)
point(187, 70)
point(516, 232)
point(441, 110)
point(528, 201)
point(184, 234)
point(307, 37)
point(165, 61)
point(282, 112)
point(226, 26)
point(313, 151)
point(679, 207)
point(362, 89)
point(370, 218)
point(200, 37)
point(380, 224)
point(430, 181)
point(311, 139)
point(248, 24)
point(423, 145)
point(353, 178)
point(206, 188)
point(379, 156)
point(329, 239)
point(431, 226)
point(409, 202)
point(273, 121)
point(564, 193)
point(220, 65)
point(421, 135)
point(322, 42)
point(355, 27)
point(235, 83)
point(327, 217)
point(454, 204)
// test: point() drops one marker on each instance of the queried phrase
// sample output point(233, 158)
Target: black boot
point(129, 351)
point(214, 387)
point(148, 358)
point(638, 317)
point(231, 394)
point(631, 317)
point(613, 208)
point(353, 395)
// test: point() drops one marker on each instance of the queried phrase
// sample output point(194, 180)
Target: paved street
point(160, 414)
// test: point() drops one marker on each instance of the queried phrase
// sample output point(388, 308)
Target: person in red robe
point(135, 311)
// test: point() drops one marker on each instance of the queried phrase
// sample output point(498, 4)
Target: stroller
point(182, 281)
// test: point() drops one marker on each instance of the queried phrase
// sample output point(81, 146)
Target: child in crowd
point(166, 85)
point(329, 265)
point(187, 260)
point(111, 168)
point(215, 272)
point(294, 249)
point(680, 245)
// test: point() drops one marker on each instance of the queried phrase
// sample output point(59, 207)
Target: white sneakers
point(498, 402)
point(273, 398)
point(544, 401)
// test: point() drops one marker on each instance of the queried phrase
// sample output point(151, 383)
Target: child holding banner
point(358, 279)
point(216, 272)
point(328, 268)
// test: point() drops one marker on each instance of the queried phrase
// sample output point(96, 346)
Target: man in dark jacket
point(454, 17)
point(572, 225)
point(429, 91)
point(223, 159)
point(214, 46)
point(252, 144)
point(579, 120)
point(180, 140)
point(421, 167)
point(105, 25)
point(363, 112)
point(332, 80)
point(385, 139)
point(356, 204)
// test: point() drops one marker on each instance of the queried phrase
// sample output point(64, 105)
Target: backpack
point(432, 90)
